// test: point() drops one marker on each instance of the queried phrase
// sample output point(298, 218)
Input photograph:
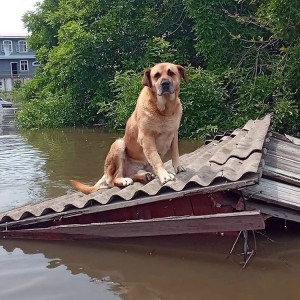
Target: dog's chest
point(163, 142)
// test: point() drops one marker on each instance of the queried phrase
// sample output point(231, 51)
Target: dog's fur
point(150, 132)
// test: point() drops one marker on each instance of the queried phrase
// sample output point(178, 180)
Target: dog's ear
point(147, 79)
point(182, 73)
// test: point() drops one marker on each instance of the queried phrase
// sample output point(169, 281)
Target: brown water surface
point(37, 165)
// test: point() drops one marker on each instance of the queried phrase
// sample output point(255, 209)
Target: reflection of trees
point(143, 268)
point(70, 153)
point(7, 118)
point(181, 267)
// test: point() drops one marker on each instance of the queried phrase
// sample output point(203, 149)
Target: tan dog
point(150, 132)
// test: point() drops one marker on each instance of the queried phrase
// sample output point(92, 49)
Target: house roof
point(226, 163)
point(13, 37)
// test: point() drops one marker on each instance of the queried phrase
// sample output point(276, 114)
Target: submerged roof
point(229, 162)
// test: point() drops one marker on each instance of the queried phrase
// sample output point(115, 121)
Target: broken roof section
point(234, 158)
point(280, 182)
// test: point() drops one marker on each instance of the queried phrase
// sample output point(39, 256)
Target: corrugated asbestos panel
point(228, 159)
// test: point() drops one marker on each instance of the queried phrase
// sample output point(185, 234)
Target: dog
point(150, 132)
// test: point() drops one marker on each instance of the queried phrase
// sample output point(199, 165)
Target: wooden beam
point(250, 180)
point(249, 220)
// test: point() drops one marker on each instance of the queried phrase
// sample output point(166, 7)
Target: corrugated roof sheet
point(229, 159)
point(280, 182)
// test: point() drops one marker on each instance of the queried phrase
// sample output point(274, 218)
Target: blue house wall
point(17, 62)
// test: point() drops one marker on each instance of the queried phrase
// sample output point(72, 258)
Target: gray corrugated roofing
point(221, 161)
point(281, 174)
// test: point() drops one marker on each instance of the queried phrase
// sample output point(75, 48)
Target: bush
point(204, 108)
point(50, 112)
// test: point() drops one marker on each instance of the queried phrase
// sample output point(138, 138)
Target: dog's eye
point(170, 73)
point(157, 75)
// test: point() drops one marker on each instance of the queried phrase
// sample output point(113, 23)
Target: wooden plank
point(249, 180)
point(275, 192)
point(274, 210)
point(250, 220)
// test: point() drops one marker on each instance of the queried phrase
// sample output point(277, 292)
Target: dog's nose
point(165, 83)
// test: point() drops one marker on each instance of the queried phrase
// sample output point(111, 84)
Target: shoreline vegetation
point(242, 58)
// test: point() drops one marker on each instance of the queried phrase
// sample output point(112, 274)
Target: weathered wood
point(161, 226)
point(275, 192)
point(250, 180)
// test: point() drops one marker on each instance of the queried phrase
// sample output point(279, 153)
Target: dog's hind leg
point(142, 177)
point(115, 163)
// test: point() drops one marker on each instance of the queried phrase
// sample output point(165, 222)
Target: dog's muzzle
point(166, 87)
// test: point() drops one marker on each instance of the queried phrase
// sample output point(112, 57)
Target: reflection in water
point(37, 277)
point(190, 267)
point(21, 172)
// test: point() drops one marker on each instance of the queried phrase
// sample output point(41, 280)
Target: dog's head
point(164, 78)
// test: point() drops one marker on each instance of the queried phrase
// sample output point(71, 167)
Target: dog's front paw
point(179, 169)
point(165, 177)
point(127, 181)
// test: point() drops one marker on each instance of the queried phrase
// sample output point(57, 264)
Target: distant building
point(17, 62)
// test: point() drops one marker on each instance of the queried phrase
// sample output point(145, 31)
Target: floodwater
point(37, 165)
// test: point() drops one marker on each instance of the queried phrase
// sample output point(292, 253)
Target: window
point(36, 64)
point(22, 46)
point(24, 65)
point(6, 47)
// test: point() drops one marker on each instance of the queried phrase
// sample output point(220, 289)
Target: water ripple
point(22, 172)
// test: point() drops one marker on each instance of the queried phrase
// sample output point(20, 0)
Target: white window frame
point(22, 60)
point(22, 46)
point(36, 64)
point(10, 45)
point(11, 70)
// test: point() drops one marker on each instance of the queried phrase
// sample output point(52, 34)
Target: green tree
point(244, 57)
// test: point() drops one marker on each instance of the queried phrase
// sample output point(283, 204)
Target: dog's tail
point(87, 189)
